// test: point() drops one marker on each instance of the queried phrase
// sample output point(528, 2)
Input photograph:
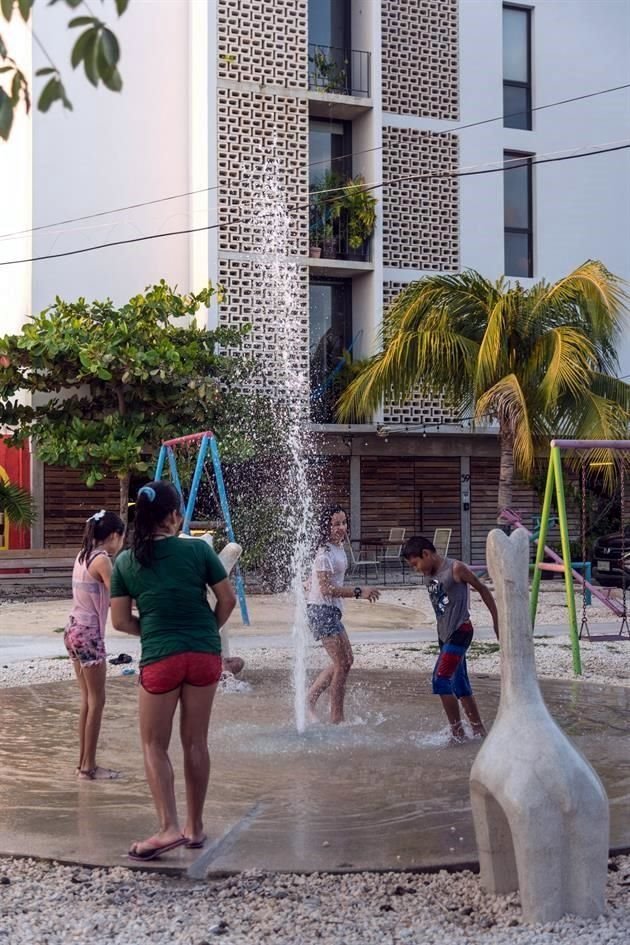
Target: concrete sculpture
point(229, 556)
point(540, 810)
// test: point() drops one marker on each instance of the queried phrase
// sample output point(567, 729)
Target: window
point(329, 23)
point(330, 324)
point(330, 149)
point(517, 83)
point(517, 201)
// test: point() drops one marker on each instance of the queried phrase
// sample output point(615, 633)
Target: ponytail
point(98, 528)
point(154, 503)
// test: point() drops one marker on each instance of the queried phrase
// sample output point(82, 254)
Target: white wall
point(581, 207)
point(114, 150)
point(15, 193)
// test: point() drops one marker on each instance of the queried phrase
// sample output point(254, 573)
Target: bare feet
point(97, 774)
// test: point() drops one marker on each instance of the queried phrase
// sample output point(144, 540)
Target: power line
point(411, 177)
point(342, 157)
point(312, 193)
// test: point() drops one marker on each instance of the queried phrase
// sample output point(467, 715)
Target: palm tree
point(16, 503)
point(539, 362)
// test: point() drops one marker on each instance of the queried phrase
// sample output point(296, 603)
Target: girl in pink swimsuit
point(85, 632)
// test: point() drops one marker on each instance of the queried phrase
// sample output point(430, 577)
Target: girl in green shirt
point(181, 655)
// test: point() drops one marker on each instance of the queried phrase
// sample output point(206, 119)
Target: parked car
point(607, 564)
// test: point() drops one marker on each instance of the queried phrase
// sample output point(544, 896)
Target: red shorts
point(190, 669)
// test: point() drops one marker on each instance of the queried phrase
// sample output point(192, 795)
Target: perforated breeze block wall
point(418, 410)
point(420, 57)
point(420, 217)
point(263, 41)
point(251, 128)
point(244, 289)
point(263, 50)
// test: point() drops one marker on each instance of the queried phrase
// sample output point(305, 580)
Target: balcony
point(342, 216)
point(336, 75)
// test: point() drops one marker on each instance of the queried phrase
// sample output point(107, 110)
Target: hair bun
point(149, 491)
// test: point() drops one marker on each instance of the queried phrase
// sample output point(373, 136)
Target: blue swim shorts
point(324, 620)
point(450, 676)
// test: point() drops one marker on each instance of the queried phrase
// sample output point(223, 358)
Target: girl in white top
point(325, 606)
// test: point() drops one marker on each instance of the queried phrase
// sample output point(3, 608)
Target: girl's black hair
point(97, 529)
point(325, 519)
point(154, 503)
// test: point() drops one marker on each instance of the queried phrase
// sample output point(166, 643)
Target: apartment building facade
point(396, 91)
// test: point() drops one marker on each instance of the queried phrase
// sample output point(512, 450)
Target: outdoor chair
point(393, 548)
point(441, 540)
point(357, 561)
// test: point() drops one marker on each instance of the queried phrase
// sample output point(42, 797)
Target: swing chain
point(584, 624)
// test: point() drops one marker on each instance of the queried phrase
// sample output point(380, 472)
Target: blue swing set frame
point(206, 440)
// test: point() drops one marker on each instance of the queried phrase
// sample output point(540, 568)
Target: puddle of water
point(383, 790)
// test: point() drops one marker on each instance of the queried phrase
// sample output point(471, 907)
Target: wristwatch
point(357, 592)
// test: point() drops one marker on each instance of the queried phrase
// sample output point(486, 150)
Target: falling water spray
point(285, 366)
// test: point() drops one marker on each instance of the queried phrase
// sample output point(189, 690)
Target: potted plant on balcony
point(327, 75)
point(360, 206)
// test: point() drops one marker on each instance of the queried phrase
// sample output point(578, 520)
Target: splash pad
point(381, 792)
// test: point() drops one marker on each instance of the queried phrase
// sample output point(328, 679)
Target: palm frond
point(594, 417)
point(432, 361)
point(568, 358)
point(592, 292)
point(507, 401)
point(612, 389)
point(17, 504)
point(492, 361)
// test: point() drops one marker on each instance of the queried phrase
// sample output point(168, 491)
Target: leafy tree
point(541, 362)
point(96, 48)
point(108, 384)
point(17, 504)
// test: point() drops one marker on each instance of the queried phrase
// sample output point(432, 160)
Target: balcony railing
point(332, 239)
point(339, 71)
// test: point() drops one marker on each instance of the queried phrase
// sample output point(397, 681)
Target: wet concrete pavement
point(382, 791)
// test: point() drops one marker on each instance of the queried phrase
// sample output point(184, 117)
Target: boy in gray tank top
point(449, 582)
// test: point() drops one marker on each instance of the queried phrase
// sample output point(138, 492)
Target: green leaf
point(81, 47)
point(25, 8)
point(50, 93)
point(103, 374)
point(121, 6)
point(7, 8)
point(48, 70)
point(6, 115)
point(3, 49)
point(109, 47)
point(84, 21)
point(16, 88)
point(64, 98)
point(112, 80)
point(90, 59)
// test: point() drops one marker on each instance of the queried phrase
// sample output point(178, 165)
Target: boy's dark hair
point(415, 545)
point(154, 503)
point(97, 528)
point(323, 525)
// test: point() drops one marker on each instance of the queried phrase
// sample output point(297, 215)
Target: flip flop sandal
point(120, 659)
point(195, 844)
point(154, 852)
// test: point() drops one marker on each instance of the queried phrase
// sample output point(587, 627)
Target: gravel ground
point(47, 904)
point(604, 662)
